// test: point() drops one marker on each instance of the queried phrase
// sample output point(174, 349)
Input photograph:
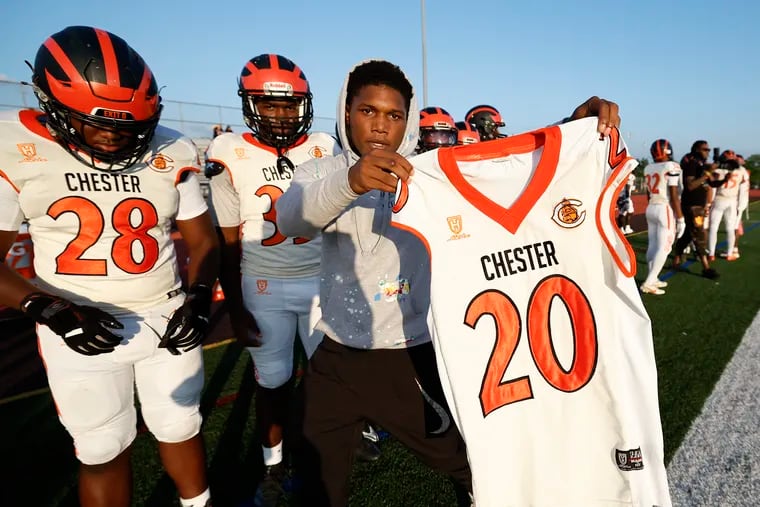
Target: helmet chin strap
point(283, 163)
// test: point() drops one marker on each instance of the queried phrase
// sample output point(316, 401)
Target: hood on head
point(411, 135)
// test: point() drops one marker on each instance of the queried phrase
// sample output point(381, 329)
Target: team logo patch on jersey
point(29, 152)
point(317, 152)
point(629, 460)
point(566, 213)
point(240, 153)
point(456, 226)
point(161, 163)
point(261, 287)
point(392, 290)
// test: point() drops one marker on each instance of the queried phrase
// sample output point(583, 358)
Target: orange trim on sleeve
point(403, 197)
point(418, 234)
point(6, 178)
point(30, 118)
point(181, 173)
point(630, 270)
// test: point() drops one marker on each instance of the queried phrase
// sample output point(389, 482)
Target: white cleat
point(648, 289)
point(660, 284)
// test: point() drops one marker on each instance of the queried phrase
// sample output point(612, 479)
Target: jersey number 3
point(91, 225)
point(495, 393)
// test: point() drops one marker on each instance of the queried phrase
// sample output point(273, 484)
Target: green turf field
point(697, 326)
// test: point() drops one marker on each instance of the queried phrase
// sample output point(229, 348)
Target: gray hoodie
point(375, 279)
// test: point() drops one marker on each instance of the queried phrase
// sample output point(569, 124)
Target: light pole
point(424, 55)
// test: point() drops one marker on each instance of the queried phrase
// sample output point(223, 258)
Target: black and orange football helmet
point(467, 134)
point(437, 129)
point(93, 76)
point(661, 150)
point(270, 76)
point(486, 120)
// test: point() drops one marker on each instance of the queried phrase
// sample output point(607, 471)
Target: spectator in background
point(216, 131)
point(697, 179)
point(625, 206)
point(228, 129)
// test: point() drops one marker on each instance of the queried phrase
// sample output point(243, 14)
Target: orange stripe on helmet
point(61, 58)
point(109, 57)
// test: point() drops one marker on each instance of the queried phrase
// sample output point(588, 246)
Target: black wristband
point(34, 303)
point(201, 294)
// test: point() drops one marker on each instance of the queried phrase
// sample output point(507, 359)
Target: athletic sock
point(272, 455)
point(198, 501)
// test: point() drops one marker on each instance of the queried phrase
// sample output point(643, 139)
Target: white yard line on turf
point(718, 462)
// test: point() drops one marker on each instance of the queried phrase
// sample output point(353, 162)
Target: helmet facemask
point(438, 136)
point(280, 132)
point(59, 123)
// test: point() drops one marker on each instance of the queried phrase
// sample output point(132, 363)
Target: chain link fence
point(195, 120)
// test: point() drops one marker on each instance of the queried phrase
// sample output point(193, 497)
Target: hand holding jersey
point(85, 329)
point(608, 113)
point(187, 325)
point(378, 170)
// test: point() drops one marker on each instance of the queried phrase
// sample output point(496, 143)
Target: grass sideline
point(697, 326)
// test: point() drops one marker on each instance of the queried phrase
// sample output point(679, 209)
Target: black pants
point(694, 218)
point(345, 386)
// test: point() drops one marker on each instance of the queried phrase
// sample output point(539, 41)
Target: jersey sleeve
point(191, 202)
point(10, 209)
point(225, 200)
point(673, 175)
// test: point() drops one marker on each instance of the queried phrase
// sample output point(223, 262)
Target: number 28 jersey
point(100, 238)
point(544, 347)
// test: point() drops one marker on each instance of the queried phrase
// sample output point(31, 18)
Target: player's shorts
point(94, 395)
point(281, 307)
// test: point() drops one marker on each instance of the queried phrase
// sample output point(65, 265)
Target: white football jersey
point(659, 176)
point(544, 347)
point(729, 189)
point(100, 238)
point(743, 188)
point(245, 194)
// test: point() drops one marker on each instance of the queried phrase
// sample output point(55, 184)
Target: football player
point(725, 204)
point(437, 129)
point(663, 178)
point(270, 281)
point(100, 183)
point(466, 134)
point(486, 120)
point(742, 204)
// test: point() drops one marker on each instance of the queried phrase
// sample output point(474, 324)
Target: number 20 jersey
point(100, 238)
point(544, 347)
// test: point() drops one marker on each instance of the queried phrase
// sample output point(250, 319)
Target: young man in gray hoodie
point(376, 361)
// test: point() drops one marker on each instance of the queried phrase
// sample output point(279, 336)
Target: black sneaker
point(270, 488)
point(710, 274)
point(367, 451)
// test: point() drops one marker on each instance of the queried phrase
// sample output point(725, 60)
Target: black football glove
point(85, 329)
point(187, 325)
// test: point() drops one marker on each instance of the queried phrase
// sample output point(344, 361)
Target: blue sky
point(683, 70)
